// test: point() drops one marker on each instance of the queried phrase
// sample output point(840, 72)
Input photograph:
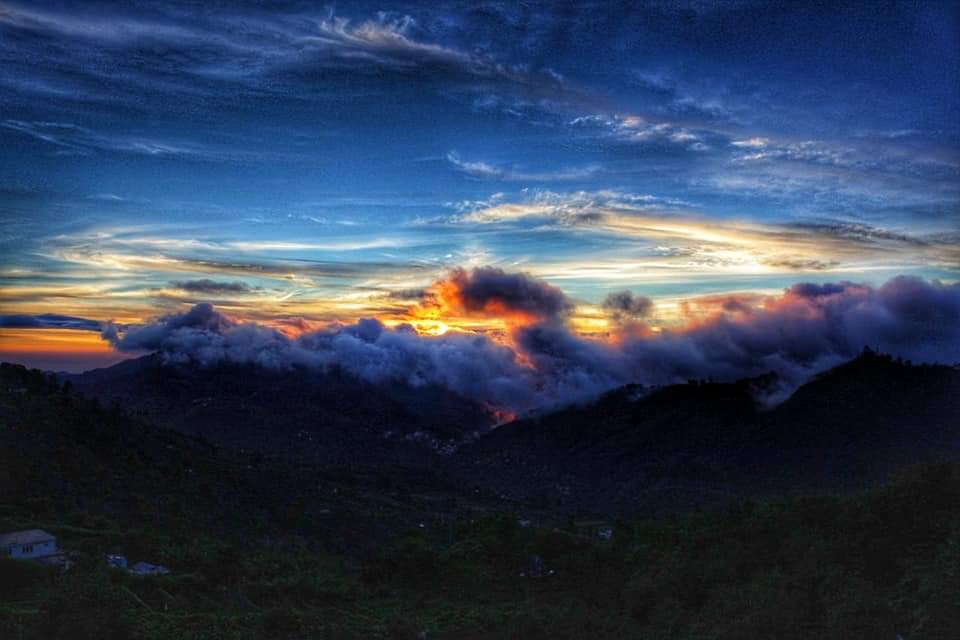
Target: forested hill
point(703, 442)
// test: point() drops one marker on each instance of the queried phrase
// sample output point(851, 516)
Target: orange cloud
point(489, 293)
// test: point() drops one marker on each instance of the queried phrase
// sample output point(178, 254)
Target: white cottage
point(32, 544)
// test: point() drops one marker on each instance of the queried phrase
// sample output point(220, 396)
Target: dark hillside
point(329, 418)
point(702, 442)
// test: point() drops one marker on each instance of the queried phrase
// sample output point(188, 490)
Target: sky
point(306, 166)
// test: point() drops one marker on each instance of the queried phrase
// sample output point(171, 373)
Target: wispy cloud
point(751, 143)
point(579, 207)
point(82, 140)
point(390, 41)
point(48, 321)
point(485, 170)
point(284, 245)
point(635, 129)
point(220, 47)
point(684, 236)
point(206, 285)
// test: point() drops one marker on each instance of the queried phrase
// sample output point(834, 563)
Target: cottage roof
point(146, 567)
point(29, 536)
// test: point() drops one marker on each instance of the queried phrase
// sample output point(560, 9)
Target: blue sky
point(322, 160)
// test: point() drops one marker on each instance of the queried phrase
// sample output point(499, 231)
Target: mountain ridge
point(847, 426)
point(633, 449)
point(329, 417)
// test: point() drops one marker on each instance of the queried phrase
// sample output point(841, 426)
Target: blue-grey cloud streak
point(49, 321)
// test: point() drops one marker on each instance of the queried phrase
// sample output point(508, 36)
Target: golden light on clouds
point(430, 327)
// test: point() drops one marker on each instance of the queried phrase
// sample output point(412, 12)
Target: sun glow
point(430, 327)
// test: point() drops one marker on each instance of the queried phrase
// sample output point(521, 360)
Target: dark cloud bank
point(625, 305)
point(491, 291)
point(48, 321)
point(211, 286)
point(807, 329)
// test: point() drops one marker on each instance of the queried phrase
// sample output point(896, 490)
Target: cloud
point(157, 254)
point(801, 264)
point(177, 330)
point(407, 294)
point(828, 177)
point(807, 329)
point(81, 140)
point(396, 43)
point(751, 143)
point(625, 305)
point(211, 286)
point(541, 361)
point(472, 365)
point(389, 41)
point(174, 49)
point(491, 292)
point(859, 232)
point(569, 368)
point(634, 129)
point(577, 208)
point(812, 151)
point(48, 321)
point(686, 239)
point(479, 169)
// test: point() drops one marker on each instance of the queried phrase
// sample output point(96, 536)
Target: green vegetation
point(250, 557)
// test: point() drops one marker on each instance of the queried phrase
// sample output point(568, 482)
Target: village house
point(116, 561)
point(147, 569)
point(31, 544)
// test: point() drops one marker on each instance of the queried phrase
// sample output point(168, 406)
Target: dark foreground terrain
point(865, 545)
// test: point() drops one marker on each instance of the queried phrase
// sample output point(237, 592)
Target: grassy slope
point(254, 553)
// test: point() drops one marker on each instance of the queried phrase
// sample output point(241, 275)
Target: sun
point(430, 327)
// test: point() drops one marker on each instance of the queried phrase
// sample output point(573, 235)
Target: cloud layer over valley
point(539, 360)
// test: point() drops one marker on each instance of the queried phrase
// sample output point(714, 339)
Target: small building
point(147, 569)
point(32, 544)
point(116, 561)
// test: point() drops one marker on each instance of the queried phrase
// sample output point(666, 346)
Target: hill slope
point(632, 450)
point(319, 417)
point(702, 442)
